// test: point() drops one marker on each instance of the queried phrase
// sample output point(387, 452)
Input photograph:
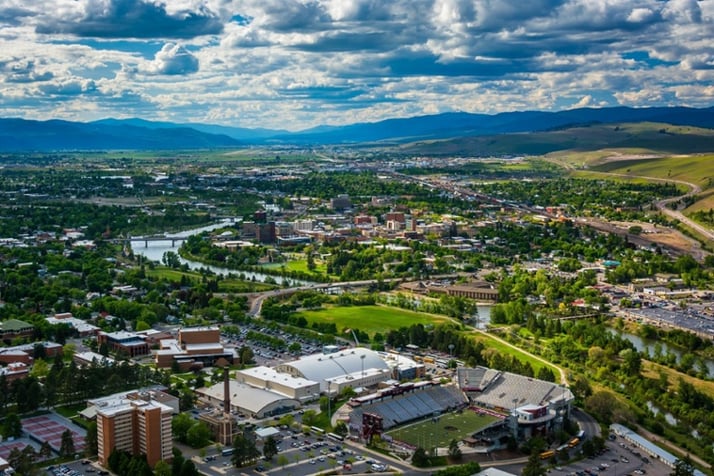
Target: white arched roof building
point(256, 402)
point(356, 367)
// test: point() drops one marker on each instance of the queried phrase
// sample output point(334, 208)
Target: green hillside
point(653, 137)
point(698, 169)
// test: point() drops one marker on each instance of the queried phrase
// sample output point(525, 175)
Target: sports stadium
point(484, 410)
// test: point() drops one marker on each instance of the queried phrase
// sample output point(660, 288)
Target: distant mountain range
point(20, 135)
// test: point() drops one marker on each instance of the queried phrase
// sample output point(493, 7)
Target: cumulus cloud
point(688, 10)
point(640, 15)
point(14, 14)
point(24, 71)
point(174, 59)
point(70, 87)
point(332, 61)
point(134, 19)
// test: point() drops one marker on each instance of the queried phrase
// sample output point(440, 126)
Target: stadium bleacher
point(410, 406)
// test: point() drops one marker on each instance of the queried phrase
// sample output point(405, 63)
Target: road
point(661, 205)
point(256, 299)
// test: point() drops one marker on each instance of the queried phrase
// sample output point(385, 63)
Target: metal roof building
point(256, 402)
point(325, 367)
point(653, 450)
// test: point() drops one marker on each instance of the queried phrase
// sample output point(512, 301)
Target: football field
point(439, 433)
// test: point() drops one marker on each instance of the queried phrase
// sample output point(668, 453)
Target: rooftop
point(508, 390)
point(266, 373)
point(14, 325)
point(244, 396)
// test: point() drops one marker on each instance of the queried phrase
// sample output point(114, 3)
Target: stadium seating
point(410, 406)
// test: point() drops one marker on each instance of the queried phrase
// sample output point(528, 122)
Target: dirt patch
point(652, 235)
point(450, 428)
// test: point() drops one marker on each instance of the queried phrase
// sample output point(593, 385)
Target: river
point(647, 346)
point(484, 316)
point(154, 251)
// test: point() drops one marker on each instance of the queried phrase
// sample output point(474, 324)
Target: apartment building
point(138, 426)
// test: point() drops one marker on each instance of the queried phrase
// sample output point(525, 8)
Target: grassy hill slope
point(646, 136)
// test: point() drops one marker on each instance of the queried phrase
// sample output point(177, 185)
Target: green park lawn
point(298, 265)
point(370, 319)
point(428, 434)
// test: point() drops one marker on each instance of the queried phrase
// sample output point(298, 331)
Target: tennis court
point(8, 446)
point(44, 428)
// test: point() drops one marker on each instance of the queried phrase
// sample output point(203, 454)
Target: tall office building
point(138, 426)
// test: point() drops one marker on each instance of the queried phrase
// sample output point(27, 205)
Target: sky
point(295, 64)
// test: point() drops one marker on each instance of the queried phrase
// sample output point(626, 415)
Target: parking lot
point(300, 455)
point(619, 459)
point(77, 468)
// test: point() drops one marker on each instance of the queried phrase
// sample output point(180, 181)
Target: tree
point(68, 350)
point(176, 462)
point(324, 403)
point(90, 439)
point(341, 429)
point(605, 406)
point(199, 435)
point(632, 361)
point(533, 467)
point(581, 388)
point(188, 468)
point(348, 392)
point(171, 259)
point(244, 450)
point(162, 468)
point(308, 418)
point(23, 461)
point(454, 450)
point(12, 426)
point(186, 400)
point(420, 459)
point(66, 444)
point(683, 467)
point(270, 448)
point(180, 425)
point(40, 368)
point(45, 450)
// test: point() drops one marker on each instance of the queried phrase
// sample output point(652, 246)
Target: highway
point(662, 205)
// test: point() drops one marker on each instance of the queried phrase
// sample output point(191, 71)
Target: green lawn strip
point(299, 266)
point(492, 342)
point(370, 319)
point(240, 286)
point(68, 411)
point(171, 274)
point(225, 285)
point(439, 433)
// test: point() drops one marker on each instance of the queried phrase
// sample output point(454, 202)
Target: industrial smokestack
point(226, 392)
